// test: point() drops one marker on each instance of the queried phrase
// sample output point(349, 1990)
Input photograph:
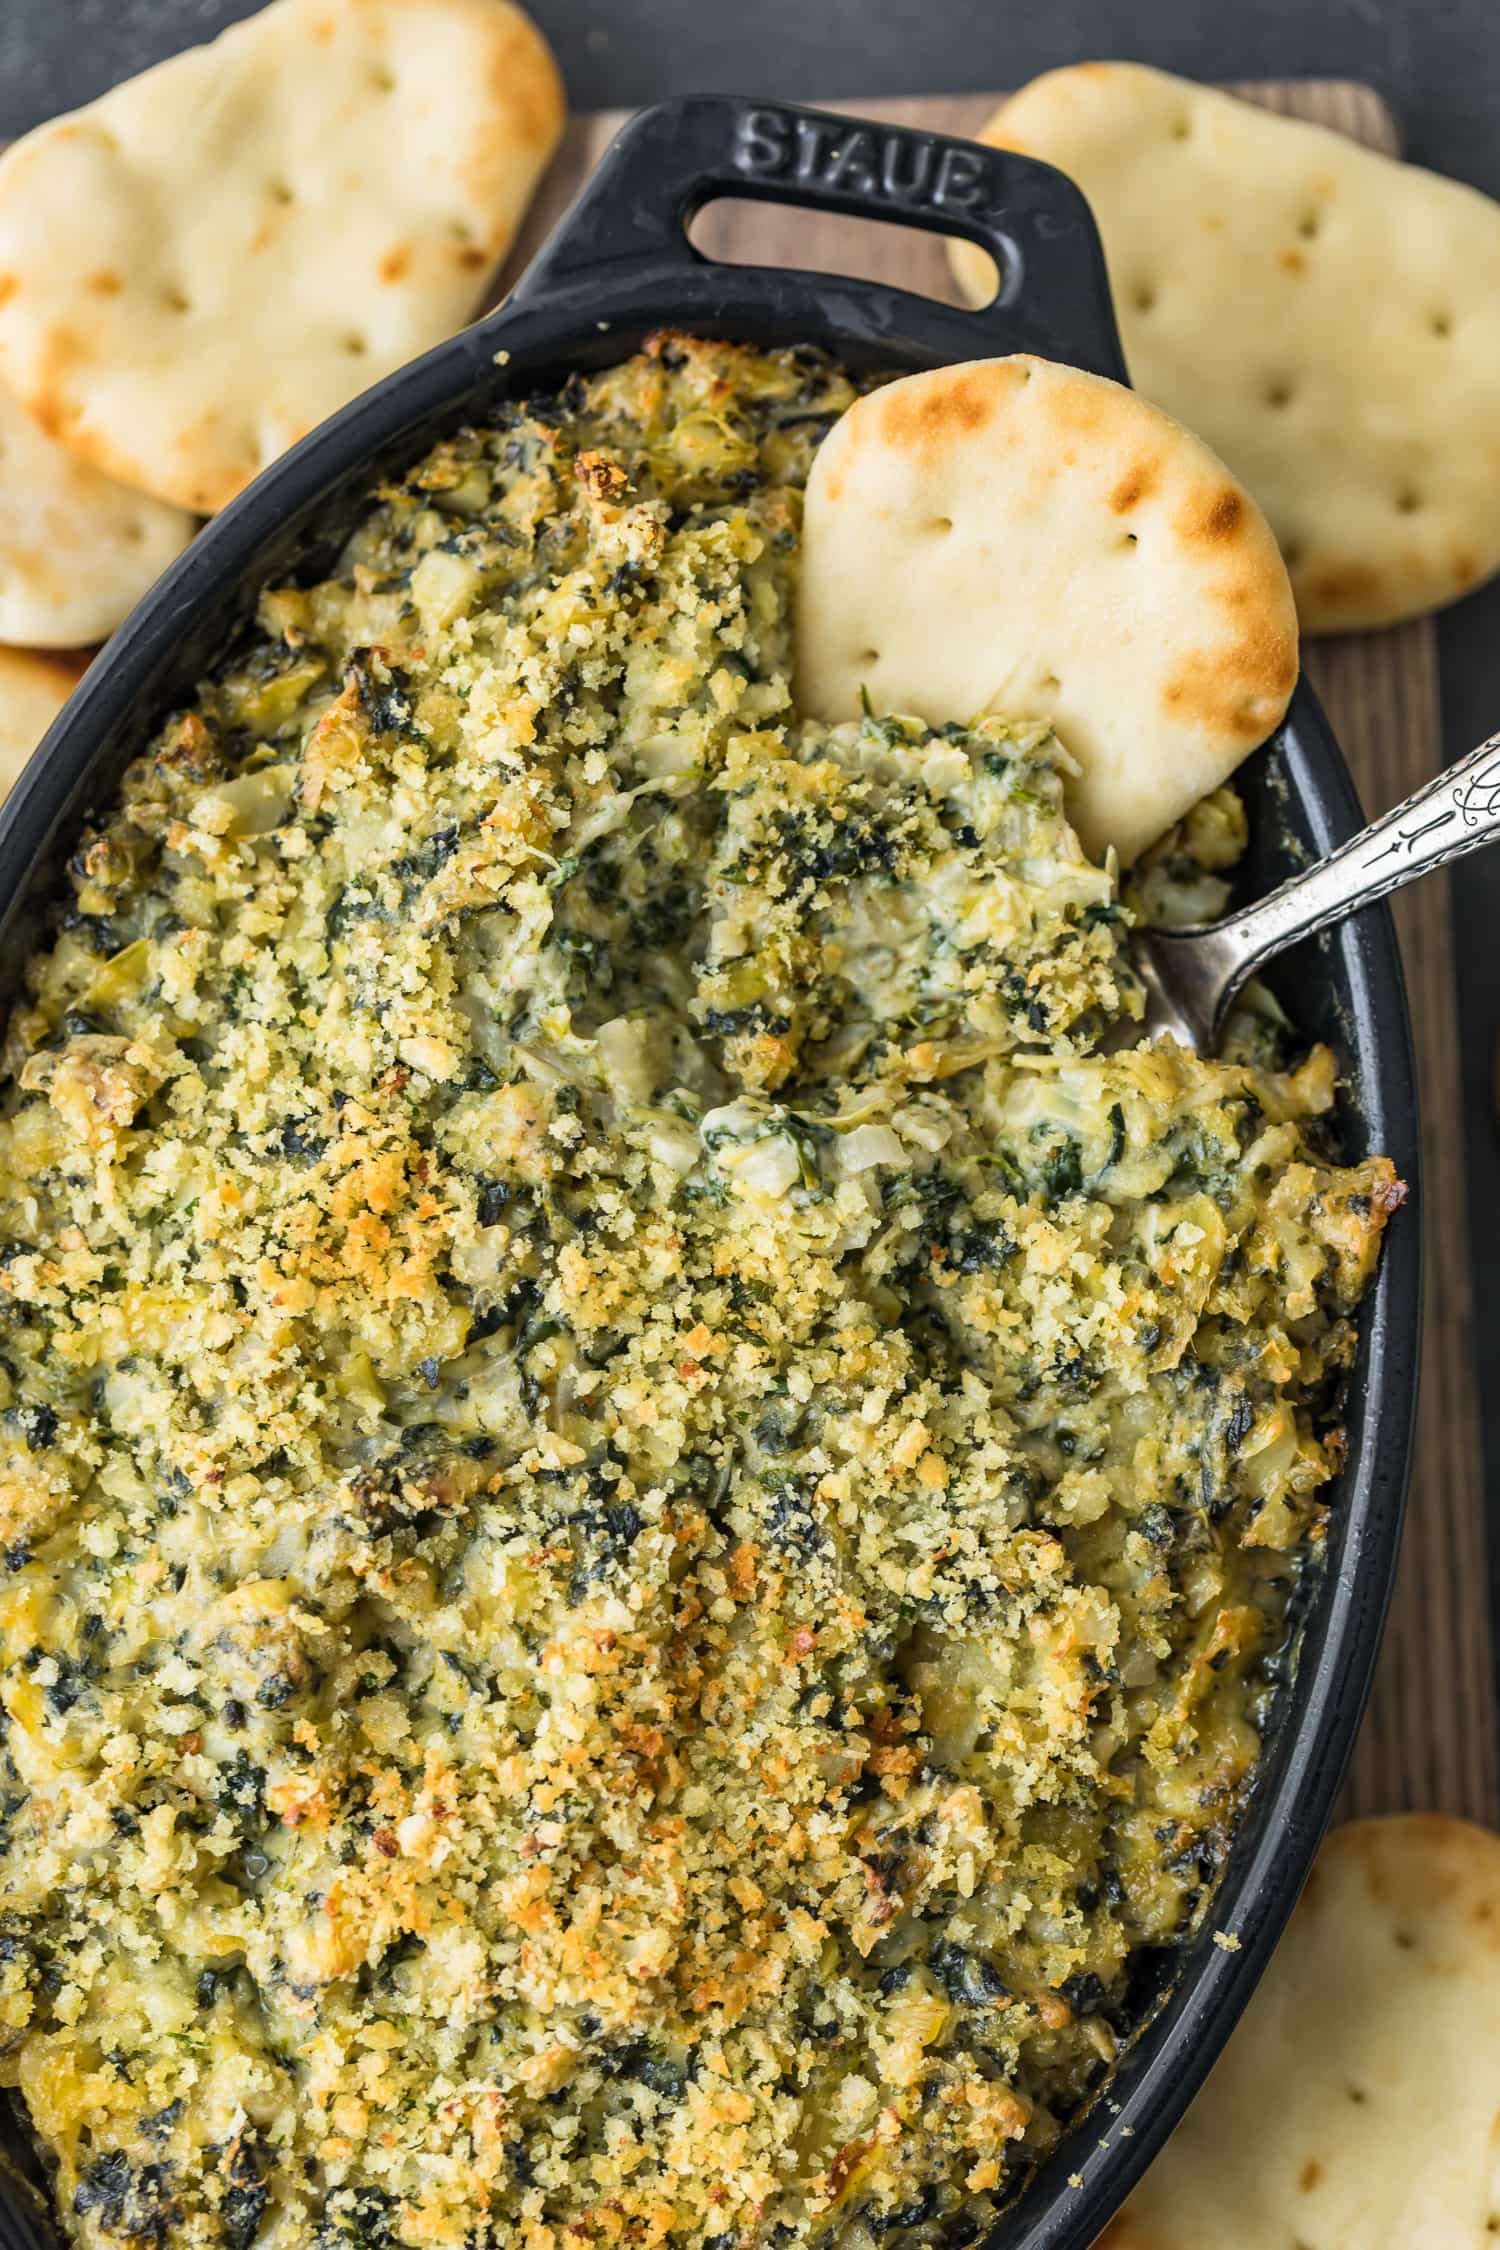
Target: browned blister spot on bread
point(1234, 690)
point(1137, 484)
point(956, 406)
point(1341, 590)
point(1214, 518)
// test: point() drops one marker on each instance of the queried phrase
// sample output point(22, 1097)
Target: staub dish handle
point(671, 160)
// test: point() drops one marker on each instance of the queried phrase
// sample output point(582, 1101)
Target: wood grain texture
point(1431, 1738)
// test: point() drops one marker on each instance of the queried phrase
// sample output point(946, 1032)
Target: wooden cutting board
point(1431, 1739)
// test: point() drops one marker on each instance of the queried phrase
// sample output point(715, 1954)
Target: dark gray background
point(1437, 62)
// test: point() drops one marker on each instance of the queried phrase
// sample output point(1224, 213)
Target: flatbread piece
point(33, 689)
point(1018, 537)
point(77, 550)
point(1327, 318)
point(200, 266)
point(1355, 2107)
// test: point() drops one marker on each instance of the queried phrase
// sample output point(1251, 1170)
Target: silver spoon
point(1192, 975)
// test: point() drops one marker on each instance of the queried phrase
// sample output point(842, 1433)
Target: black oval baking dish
point(619, 266)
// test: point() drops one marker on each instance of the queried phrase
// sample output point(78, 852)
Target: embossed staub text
point(908, 171)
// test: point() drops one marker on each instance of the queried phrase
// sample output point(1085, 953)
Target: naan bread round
point(77, 550)
point(200, 266)
point(1357, 2106)
point(1327, 317)
point(33, 689)
point(1018, 537)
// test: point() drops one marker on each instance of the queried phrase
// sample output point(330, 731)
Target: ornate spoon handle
point(1447, 817)
point(1196, 973)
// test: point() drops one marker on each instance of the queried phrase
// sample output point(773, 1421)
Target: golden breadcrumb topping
point(651, 1484)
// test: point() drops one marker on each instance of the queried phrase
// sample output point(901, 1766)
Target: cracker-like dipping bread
point(33, 689)
point(1018, 537)
point(77, 550)
point(1355, 2107)
point(197, 268)
point(1327, 317)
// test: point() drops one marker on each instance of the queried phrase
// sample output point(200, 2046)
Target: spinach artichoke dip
point(653, 1486)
